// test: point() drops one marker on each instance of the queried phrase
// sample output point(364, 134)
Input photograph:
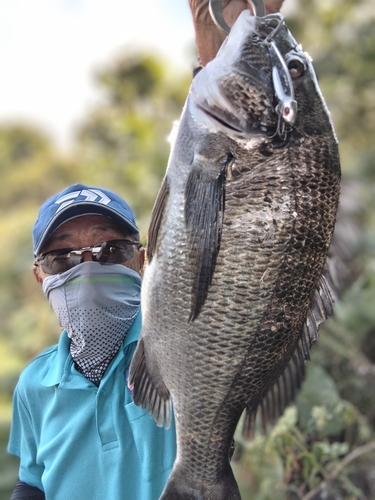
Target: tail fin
point(180, 488)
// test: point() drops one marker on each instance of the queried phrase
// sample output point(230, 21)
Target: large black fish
point(236, 284)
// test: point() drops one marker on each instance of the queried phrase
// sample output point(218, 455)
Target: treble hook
point(216, 11)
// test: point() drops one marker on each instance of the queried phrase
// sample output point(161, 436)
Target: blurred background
point(88, 93)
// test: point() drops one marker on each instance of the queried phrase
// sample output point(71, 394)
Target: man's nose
point(87, 256)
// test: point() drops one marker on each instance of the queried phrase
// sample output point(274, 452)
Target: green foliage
point(306, 447)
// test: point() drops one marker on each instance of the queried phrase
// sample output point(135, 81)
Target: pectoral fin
point(204, 211)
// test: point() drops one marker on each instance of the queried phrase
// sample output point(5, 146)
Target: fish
point(238, 278)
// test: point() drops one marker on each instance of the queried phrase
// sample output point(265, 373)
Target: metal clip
point(216, 11)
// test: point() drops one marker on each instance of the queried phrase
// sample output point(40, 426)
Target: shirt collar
point(62, 371)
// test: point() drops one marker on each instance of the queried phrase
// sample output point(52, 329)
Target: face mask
point(96, 304)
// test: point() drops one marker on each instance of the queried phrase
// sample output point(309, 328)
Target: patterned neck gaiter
point(96, 304)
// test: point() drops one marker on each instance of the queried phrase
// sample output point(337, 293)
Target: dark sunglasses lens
point(115, 253)
point(55, 264)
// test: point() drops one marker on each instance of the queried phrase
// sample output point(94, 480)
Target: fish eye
point(296, 67)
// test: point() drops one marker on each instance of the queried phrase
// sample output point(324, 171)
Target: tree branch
point(361, 450)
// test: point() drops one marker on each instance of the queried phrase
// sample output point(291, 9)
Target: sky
point(51, 49)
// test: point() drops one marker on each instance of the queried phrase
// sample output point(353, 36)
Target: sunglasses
point(107, 252)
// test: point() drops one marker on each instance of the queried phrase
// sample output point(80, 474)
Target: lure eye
point(296, 68)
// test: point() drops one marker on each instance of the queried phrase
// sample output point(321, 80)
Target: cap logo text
point(87, 194)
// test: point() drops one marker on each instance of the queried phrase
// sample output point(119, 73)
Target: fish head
point(261, 83)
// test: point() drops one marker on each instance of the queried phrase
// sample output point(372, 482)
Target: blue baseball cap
point(79, 200)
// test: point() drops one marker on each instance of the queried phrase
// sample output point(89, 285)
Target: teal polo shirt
point(79, 441)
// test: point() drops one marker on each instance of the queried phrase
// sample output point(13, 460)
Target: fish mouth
point(225, 122)
point(232, 125)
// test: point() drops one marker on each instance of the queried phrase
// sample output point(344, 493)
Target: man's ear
point(37, 274)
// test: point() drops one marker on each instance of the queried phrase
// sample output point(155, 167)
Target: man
point(75, 427)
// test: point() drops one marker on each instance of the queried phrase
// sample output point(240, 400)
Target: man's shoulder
point(38, 367)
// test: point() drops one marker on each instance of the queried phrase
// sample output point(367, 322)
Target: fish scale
point(235, 290)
